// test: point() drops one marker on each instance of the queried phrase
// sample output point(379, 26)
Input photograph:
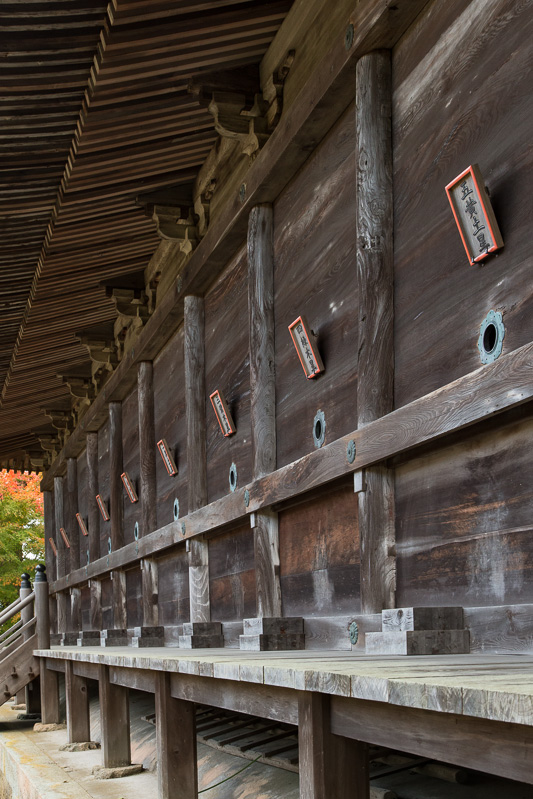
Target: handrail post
point(26, 615)
point(49, 679)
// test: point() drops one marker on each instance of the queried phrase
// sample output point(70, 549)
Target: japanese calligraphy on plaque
point(82, 525)
point(306, 348)
point(129, 486)
point(64, 536)
point(168, 460)
point(473, 214)
point(222, 413)
point(103, 509)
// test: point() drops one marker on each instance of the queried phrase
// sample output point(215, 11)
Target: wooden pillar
point(71, 508)
point(62, 552)
point(263, 401)
point(48, 507)
point(375, 276)
point(330, 765)
point(150, 592)
point(49, 679)
point(62, 611)
point(116, 499)
point(148, 492)
point(92, 490)
point(177, 768)
point(120, 616)
point(200, 610)
point(95, 588)
point(75, 609)
point(114, 721)
point(77, 700)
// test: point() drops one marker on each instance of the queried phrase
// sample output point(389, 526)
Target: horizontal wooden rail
point(492, 389)
point(9, 632)
point(7, 646)
point(325, 96)
point(16, 607)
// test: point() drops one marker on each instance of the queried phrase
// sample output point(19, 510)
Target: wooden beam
point(71, 508)
point(177, 767)
point(116, 490)
point(92, 491)
point(375, 281)
point(77, 702)
point(325, 96)
point(148, 492)
point(194, 356)
point(114, 721)
point(491, 746)
point(467, 401)
point(330, 765)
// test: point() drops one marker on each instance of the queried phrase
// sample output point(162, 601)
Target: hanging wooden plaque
point(223, 413)
point(129, 486)
point(64, 536)
point(473, 214)
point(103, 509)
point(82, 524)
point(305, 344)
point(52, 544)
point(168, 460)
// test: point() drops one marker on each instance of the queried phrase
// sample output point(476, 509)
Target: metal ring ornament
point(491, 335)
point(109, 545)
point(176, 510)
point(351, 451)
point(136, 531)
point(232, 477)
point(319, 429)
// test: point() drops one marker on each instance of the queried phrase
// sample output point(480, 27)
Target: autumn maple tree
point(21, 530)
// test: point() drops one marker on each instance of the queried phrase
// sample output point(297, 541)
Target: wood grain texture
point(200, 606)
point(330, 765)
point(267, 564)
point(95, 587)
point(134, 597)
point(71, 508)
point(195, 399)
point(262, 349)
point(174, 588)
point(231, 575)
point(75, 624)
point(131, 462)
point(150, 592)
point(116, 489)
point(377, 540)
point(467, 104)
point(92, 491)
point(77, 704)
point(49, 532)
point(147, 445)
point(177, 768)
point(104, 485)
point(62, 551)
point(120, 616)
point(83, 506)
point(114, 721)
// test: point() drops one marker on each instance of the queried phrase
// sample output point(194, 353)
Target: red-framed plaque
point(473, 214)
point(222, 413)
point(64, 536)
point(52, 544)
point(82, 524)
point(129, 486)
point(305, 345)
point(168, 460)
point(103, 509)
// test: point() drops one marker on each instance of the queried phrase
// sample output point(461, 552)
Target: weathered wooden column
point(177, 766)
point(201, 631)
point(118, 636)
point(91, 637)
point(48, 509)
point(77, 701)
point(375, 276)
point(264, 631)
point(62, 557)
point(330, 765)
point(150, 634)
point(71, 526)
point(30, 695)
point(114, 721)
point(48, 679)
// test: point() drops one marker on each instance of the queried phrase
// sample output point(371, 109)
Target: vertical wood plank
point(75, 609)
point(92, 490)
point(262, 352)
point(62, 554)
point(116, 492)
point(177, 769)
point(266, 556)
point(77, 701)
point(148, 492)
point(330, 765)
point(95, 587)
point(150, 592)
point(375, 275)
point(62, 600)
point(120, 617)
point(48, 679)
point(194, 357)
point(71, 508)
point(114, 721)
point(49, 532)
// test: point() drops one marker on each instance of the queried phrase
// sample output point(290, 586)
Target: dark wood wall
point(130, 461)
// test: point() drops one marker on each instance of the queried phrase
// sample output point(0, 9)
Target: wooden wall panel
point(319, 556)
point(86, 608)
point(227, 368)
point(461, 95)
point(232, 575)
point(170, 424)
point(173, 574)
point(107, 604)
point(130, 439)
point(82, 506)
point(134, 597)
point(315, 275)
point(103, 484)
point(465, 528)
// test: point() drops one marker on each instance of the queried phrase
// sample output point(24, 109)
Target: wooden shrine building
point(266, 327)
